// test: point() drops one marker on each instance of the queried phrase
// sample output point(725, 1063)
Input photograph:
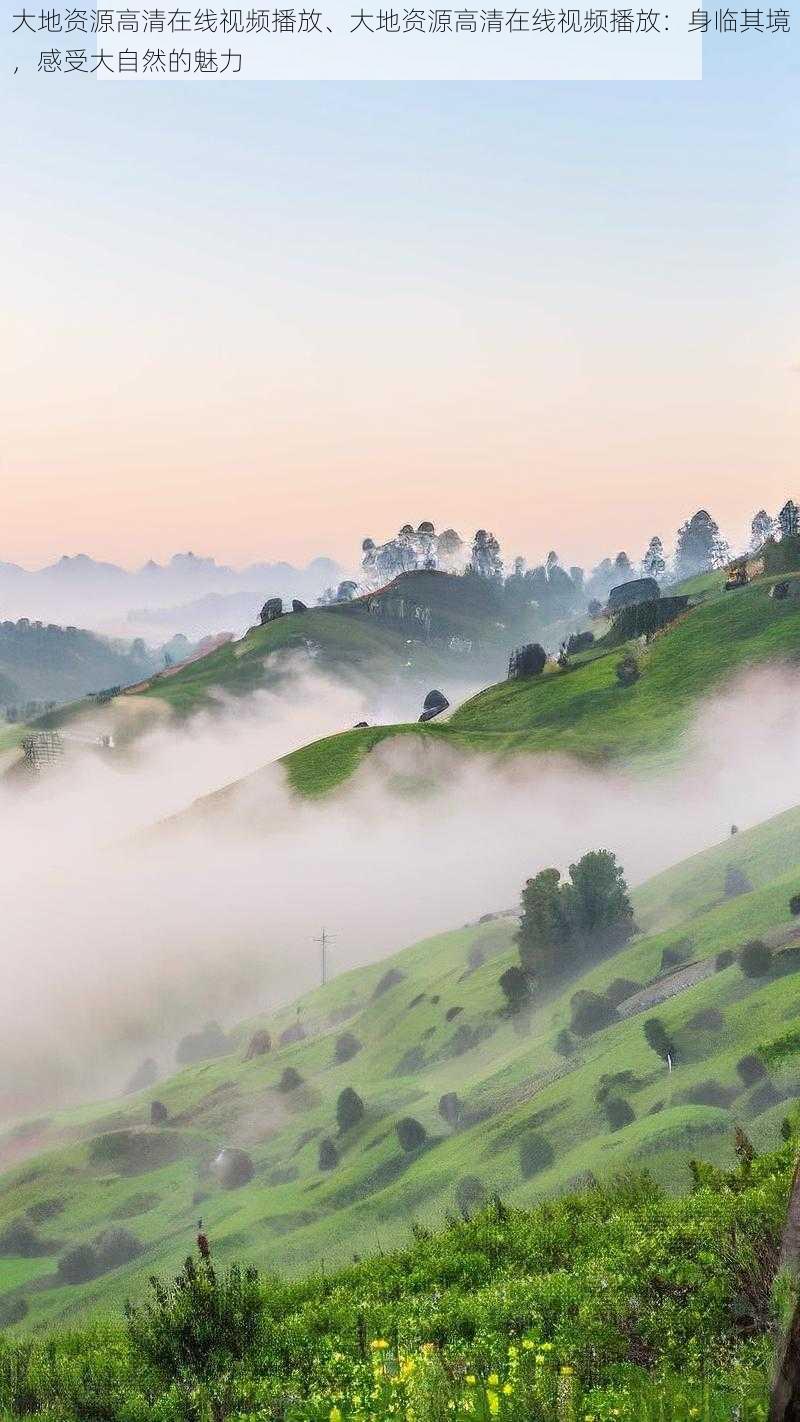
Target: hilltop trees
point(485, 560)
point(762, 527)
point(789, 519)
point(700, 545)
point(654, 563)
point(563, 925)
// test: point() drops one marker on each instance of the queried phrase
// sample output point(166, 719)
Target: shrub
point(580, 642)
point(751, 1069)
point(349, 1109)
point(708, 1019)
point(464, 1039)
point(210, 1041)
point(516, 988)
point(114, 1247)
point(470, 1194)
point(198, 1324)
point(12, 1310)
point(724, 959)
point(590, 1012)
point(46, 1209)
point(290, 1079)
point(619, 1112)
point(794, 905)
point(450, 1108)
point(389, 980)
point(158, 1113)
point(619, 989)
point(20, 1239)
point(295, 1033)
point(345, 1048)
point(529, 660)
point(736, 882)
point(412, 1061)
point(131, 1152)
point(411, 1133)
point(565, 1043)
point(627, 670)
point(260, 1043)
point(708, 1093)
point(535, 1154)
point(659, 1039)
point(678, 953)
point(78, 1265)
point(328, 1158)
point(755, 959)
point(452, 1012)
point(233, 1168)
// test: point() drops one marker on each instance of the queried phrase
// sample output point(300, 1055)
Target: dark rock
point(272, 609)
point(233, 1168)
point(361, 725)
point(298, 606)
point(433, 705)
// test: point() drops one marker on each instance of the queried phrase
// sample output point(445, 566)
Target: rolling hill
point(404, 1033)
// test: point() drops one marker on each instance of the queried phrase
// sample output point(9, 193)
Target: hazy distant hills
point(188, 594)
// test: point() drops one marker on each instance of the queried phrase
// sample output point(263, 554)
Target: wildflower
point(470, 1379)
point(336, 1414)
point(379, 1344)
point(507, 1389)
point(528, 1343)
point(567, 1371)
point(493, 1401)
point(493, 1379)
point(513, 1352)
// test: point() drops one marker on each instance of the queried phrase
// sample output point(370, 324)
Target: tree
point(597, 903)
point(529, 660)
point(328, 1155)
point(544, 935)
point(623, 568)
point(346, 1047)
point(411, 1134)
point(751, 1069)
point(699, 546)
point(659, 1039)
point(755, 959)
point(627, 671)
point(516, 988)
point(789, 519)
point(485, 560)
point(450, 1108)
point(654, 564)
point(762, 527)
point(349, 1109)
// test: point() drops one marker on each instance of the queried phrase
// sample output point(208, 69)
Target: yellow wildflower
point(379, 1344)
point(493, 1379)
point(336, 1414)
point(470, 1379)
point(507, 1389)
point(493, 1401)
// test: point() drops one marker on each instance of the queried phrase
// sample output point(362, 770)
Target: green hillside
point(584, 711)
point(425, 1022)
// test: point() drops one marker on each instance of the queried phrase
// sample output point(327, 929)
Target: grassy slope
point(513, 1079)
point(585, 711)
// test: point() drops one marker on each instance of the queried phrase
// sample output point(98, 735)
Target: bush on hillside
point(590, 1013)
point(619, 1112)
point(659, 1039)
point(724, 959)
point(198, 1325)
point(470, 1194)
point(450, 1108)
point(535, 1155)
point(529, 660)
point(349, 1109)
point(19, 1239)
point(579, 642)
point(411, 1134)
point(794, 905)
point(676, 954)
point(78, 1265)
point(708, 1019)
point(210, 1041)
point(736, 882)
point(565, 1043)
point(453, 1012)
point(260, 1043)
point(158, 1113)
point(12, 1310)
point(43, 1210)
point(516, 988)
point(755, 959)
point(328, 1157)
point(345, 1048)
point(627, 670)
point(750, 1069)
point(412, 1061)
point(708, 1093)
point(294, 1033)
point(131, 1152)
point(290, 1079)
point(389, 980)
point(620, 989)
point(114, 1247)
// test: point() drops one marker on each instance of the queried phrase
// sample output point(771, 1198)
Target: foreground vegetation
point(610, 1302)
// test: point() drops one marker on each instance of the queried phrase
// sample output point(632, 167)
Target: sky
point(267, 320)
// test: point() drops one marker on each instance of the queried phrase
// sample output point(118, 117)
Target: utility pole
point(323, 941)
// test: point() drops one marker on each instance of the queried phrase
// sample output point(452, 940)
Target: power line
point(324, 939)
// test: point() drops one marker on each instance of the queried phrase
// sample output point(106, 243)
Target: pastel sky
point(265, 320)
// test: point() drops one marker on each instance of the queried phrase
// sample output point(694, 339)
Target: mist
point(133, 914)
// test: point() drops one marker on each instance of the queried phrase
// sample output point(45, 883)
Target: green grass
point(585, 712)
point(510, 1078)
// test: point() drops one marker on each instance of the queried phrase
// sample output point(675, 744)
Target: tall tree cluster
point(566, 924)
